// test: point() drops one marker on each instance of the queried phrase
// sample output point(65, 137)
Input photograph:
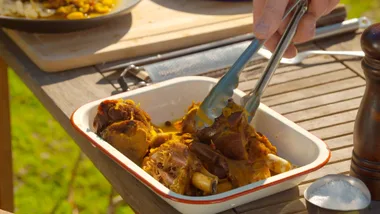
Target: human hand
point(267, 21)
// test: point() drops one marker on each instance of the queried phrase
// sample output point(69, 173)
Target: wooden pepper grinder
point(365, 162)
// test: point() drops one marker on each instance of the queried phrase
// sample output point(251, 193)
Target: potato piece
point(277, 164)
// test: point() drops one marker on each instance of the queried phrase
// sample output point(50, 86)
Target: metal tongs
point(217, 99)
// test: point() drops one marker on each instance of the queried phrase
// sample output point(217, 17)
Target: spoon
point(303, 55)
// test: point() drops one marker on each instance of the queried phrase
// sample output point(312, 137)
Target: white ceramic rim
point(160, 189)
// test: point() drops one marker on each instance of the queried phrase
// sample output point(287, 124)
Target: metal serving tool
point(217, 99)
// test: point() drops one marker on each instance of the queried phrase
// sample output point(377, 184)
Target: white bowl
point(169, 100)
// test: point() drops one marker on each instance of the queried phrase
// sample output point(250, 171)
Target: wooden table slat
point(336, 168)
point(293, 75)
point(283, 208)
point(319, 100)
point(348, 42)
point(308, 82)
point(340, 142)
point(313, 91)
point(341, 154)
point(325, 110)
point(330, 120)
point(313, 60)
point(334, 131)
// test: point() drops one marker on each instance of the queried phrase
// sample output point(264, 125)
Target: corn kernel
point(75, 15)
point(101, 8)
point(93, 15)
point(108, 2)
point(86, 8)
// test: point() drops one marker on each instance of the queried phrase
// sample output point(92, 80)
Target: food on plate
point(56, 9)
point(227, 155)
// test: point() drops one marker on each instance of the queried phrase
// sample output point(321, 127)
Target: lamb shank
point(228, 154)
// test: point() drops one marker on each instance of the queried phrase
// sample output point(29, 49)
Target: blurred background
point(52, 175)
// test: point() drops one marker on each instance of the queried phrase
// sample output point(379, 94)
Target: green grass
point(45, 156)
point(369, 8)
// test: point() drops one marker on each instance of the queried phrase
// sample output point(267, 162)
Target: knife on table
point(217, 58)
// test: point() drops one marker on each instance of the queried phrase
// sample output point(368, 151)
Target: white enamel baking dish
point(169, 100)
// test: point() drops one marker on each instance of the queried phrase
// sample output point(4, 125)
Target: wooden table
point(322, 95)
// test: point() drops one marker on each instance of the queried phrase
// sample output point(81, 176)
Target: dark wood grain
point(6, 174)
point(366, 159)
point(370, 41)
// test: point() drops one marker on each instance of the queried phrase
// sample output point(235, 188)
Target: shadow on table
point(292, 206)
point(209, 7)
point(280, 202)
point(338, 39)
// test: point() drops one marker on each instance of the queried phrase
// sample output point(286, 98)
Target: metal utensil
point(219, 95)
point(303, 55)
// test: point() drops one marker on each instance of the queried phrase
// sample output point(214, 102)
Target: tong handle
point(217, 98)
point(252, 100)
point(252, 49)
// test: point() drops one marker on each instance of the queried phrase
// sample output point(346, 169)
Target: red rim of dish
point(186, 201)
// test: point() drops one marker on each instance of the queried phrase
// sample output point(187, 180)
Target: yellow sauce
point(63, 13)
point(168, 127)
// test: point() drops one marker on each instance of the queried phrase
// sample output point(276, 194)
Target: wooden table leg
point(6, 174)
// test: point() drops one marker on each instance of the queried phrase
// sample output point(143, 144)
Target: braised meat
point(237, 172)
point(228, 154)
point(176, 167)
point(130, 137)
point(110, 111)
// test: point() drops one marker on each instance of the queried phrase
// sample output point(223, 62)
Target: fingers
point(271, 45)
point(307, 25)
point(269, 18)
point(331, 6)
point(318, 7)
point(268, 21)
point(306, 28)
point(258, 6)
